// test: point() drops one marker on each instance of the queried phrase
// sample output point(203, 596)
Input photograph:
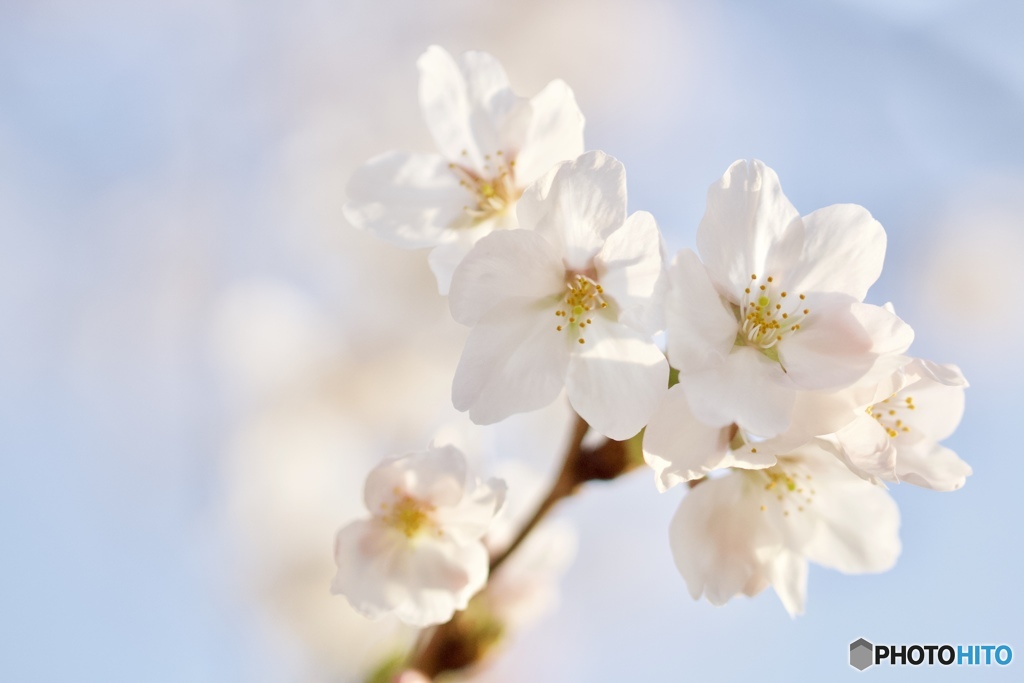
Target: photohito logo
point(863, 654)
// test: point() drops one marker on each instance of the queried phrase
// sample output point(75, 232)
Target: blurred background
point(200, 360)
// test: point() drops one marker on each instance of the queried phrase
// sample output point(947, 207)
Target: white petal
point(470, 519)
point(577, 206)
point(514, 361)
point(843, 251)
point(469, 107)
point(943, 373)
point(436, 476)
point(678, 446)
point(748, 389)
point(631, 269)
point(787, 572)
point(858, 522)
point(440, 578)
point(616, 379)
point(407, 199)
point(701, 326)
point(505, 265)
point(555, 133)
point(937, 411)
point(865, 447)
point(929, 465)
point(747, 220)
point(832, 349)
point(445, 258)
point(720, 540)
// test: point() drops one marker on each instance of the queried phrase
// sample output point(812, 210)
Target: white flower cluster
point(795, 400)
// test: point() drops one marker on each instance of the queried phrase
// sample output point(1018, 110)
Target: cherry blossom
point(491, 143)
point(419, 556)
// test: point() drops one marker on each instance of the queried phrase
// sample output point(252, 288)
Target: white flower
point(419, 556)
point(748, 529)
point(894, 429)
point(491, 143)
point(572, 302)
point(776, 306)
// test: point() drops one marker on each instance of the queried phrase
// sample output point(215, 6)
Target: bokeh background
point(200, 359)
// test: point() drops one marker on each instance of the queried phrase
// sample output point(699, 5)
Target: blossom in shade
point(420, 555)
point(774, 305)
point(749, 529)
point(491, 143)
point(572, 302)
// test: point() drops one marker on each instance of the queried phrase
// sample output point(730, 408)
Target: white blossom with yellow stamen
point(420, 556)
point(893, 431)
point(572, 302)
point(749, 529)
point(491, 143)
point(775, 307)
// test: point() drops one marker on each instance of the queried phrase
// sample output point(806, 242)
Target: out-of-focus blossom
point(419, 556)
point(571, 302)
point(776, 305)
point(491, 143)
point(749, 529)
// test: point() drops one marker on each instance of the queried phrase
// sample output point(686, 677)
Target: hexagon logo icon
point(861, 654)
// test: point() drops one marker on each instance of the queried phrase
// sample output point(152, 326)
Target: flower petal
point(514, 361)
point(555, 133)
point(843, 251)
point(718, 540)
point(502, 266)
point(932, 466)
point(631, 268)
point(678, 446)
point(748, 389)
point(937, 411)
point(865, 447)
point(435, 476)
point(577, 206)
point(470, 519)
point(701, 326)
point(469, 107)
point(616, 379)
point(787, 572)
point(748, 219)
point(407, 199)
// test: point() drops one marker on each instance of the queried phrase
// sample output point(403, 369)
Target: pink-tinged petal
point(748, 389)
point(787, 572)
point(720, 540)
point(865, 447)
point(357, 546)
point(577, 206)
point(631, 267)
point(843, 251)
point(435, 476)
point(514, 361)
point(440, 577)
point(748, 224)
point(701, 326)
point(512, 264)
point(679, 447)
point(555, 133)
point(616, 379)
point(931, 466)
point(858, 523)
point(470, 519)
point(937, 408)
point(832, 349)
point(407, 199)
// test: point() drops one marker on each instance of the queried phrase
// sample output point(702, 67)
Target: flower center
point(583, 297)
point(493, 190)
point(888, 414)
point(407, 514)
point(788, 489)
point(768, 314)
